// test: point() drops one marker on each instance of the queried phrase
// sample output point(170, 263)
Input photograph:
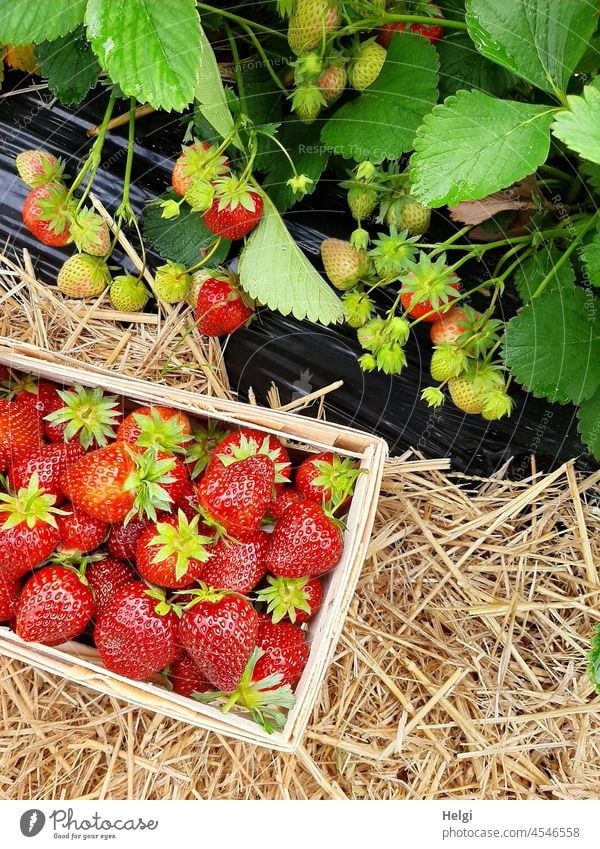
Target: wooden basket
point(78, 662)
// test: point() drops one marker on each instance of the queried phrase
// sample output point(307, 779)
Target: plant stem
point(238, 72)
point(576, 241)
point(265, 59)
point(125, 207)
point(92, 163)
point(204, 259)
point(244, 22)
point(389, 18)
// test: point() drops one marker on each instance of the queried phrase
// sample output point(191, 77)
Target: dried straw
point(460, 672)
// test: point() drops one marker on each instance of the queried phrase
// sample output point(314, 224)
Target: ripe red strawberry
point(219, 632)
point(28, 531)
point(452, 324)
point(327, 478)
point(305, 542)
point(38, 395)
point(46, 215)
point(4, 374)
point(115, 482)
point(221, 306)
point(83, 413)
point(428, 290)
point(198, 161)
point(186, 677)
point(38, 167)
point(237, 566)
point(136, 632)
point(48, 462)
point(284, 497)
point(248, 442)
point(162, 428)
point(123, 539)
point(80, 531)
point(235, 211)
point(293, 599)
point(236, 496)
point(432, 32)
point(205, 439)
point(106, 577)
point(9, 595)
point(180, 488)
point(54, 607)
point(19, 432)
point(285, 652)
point(171, 553)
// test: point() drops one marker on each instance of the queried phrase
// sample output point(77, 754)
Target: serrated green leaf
point(70, 66)
point(591, 172)
point(579, 125)
point(535, 268)
point(309, 156)
point(381, 123)
point(180, 239)
point(539, 40)
point(473, 145)
point(590, 255)
point(209, 92)
point(274, 270)
point(151, 49)
point(589, 423)
point(553, 346)
point(25, 21)
point(461, 66)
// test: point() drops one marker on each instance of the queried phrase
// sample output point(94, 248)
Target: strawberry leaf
point(180, 239)
point(23, 22)
point(69, 65)
point(552, 347)
point(591, 258)
point(153, 50)
point(535, 268)
point(473, 144)
point(461, 66)
point(274, 270)
point(381, 123)
point(589, 424)
point(579, 125)
point(209, 92)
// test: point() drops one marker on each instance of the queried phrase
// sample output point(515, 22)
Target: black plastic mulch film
point(299, 357)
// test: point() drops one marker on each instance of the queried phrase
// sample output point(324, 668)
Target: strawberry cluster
point(182, 550)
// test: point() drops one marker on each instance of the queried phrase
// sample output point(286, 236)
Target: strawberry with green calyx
point(171, 553)
point(464, 395)
point(495, 404)
point(306, 541)
point(219, 631)
point(263, 699)
point(172, 283)
point(307, 67)
point(79, 531)
point(248, 442)
point(450, 326)
point(55, 606)
point(86, 414)
point(361, 200)
point(344, 264)
point(128, 293)
point(447, 361)
point(433, 396)
point(328, 479)
point(205, 439)
point(293, 599)
point(105, 577)
point(235, 211)
point(136, 631)
point(358, 307)
point(38, 168)
point(394, 253)
point(83, 276)
point(486, 376)
point(367, 65)
point(408, 214)
point(46, 214)
point(391, 358)
point(39, 395)
point(222, 307)
point(48, 462)
point(284, 496)
point(116, 483)
point(9, 596)
point(372, 335)
point(237, 566)
point(307, 102)
point(185, 676)
point(332, 83)
point(28, 529)
point(235, 494)
point(199, 160)
point(90, 233)
point(310, 22)
point(19, 432)
point(200, 195)
point(285, 652)
point(429, 289)
point(593, 657)
point(162, 428)
point(123, 539)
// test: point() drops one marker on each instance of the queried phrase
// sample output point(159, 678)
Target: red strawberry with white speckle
point(79, 531)
point(19, 432)
point(123, 539)
point(236, 496)
point(85, 414)
point(284, 497)
point(285, 652)
point(221, 305)
point(106, 577)
point(305, 542)
point(45, 213)
point(235, 211)
point(28, 530)
point(248, 442)
point(293, 599)
point(9, 595)
point(163, 428)
point(48, 463)
point(54, 607)
point(327, 478)
point(237, 565)
point(186, 677)
point(172, 553)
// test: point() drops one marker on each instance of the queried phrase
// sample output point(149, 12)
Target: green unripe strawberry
point(361, 200)
point(358, 307)
point(332, 83)
point(464, 395)
point(413, 217)
point(83, 276)
point(367, 65)
point(128, 293)
point(172, 283)
point(447, 361)
point(496, 404)
point(307, 102)
point(344, 264)
point(309, 21)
